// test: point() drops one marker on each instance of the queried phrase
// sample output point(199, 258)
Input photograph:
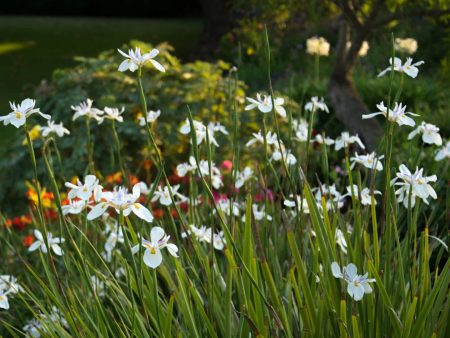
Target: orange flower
point(114, 178)
point(8, 223)
point(28, 240)
point(147, 165)
point(46, 197)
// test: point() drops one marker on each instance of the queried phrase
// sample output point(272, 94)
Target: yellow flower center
point(18, 115)
point(153, 251)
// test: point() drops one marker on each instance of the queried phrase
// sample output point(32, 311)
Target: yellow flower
point(35, 133)
point(250, 51)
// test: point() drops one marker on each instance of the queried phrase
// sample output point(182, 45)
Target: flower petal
point(152, 260)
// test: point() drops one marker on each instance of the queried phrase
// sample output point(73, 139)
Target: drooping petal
point(34, 246)
point(38, 235)
point(124, 65)
point(57, 250)
point(157, 65)
point(97, 211)
point(173, 249)
point(4, 302)
point(367, 287)
point(152, 260)
point(356, 291)
point(142, 212)
point(336, 270)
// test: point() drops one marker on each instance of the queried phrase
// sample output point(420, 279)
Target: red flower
point(158, 213)
point(28, 240)
point(19, 223)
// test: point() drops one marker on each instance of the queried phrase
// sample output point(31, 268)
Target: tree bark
point(342, 93)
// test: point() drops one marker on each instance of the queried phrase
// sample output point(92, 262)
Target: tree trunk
point(342, 93)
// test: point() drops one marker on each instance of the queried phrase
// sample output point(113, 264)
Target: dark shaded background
point(104, 8)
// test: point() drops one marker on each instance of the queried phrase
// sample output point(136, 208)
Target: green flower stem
point(152, 145)
point(119, 156)
point(316, 69)
point(90, 147)
point(36, 181)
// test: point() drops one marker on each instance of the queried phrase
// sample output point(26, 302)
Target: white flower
point(415, 183)
point(200, 131)
point(340, 240)
point(259, 214)
point(121, 201)
point(21, 112)
point(98, 287)
point(259, 138)
point(52, 127)
point(363, 50)
point(134, 60)
point(323, 140)
point(366, 197)
point(370, 161)
point(163, 195)
point(4, 303)
point(407, 46)
point(408, 67)
point(397, 115)
point(301, 202)
point(191, 166)
point(85, 109)
point(74, 207)
point(334, 198)
point(283, 153)
point(430, 133)
point(115, 236)
point(344, 140)
point(224, 204)
point(358, 285)
point(9, 285)
point(317, 46)
point(315, 104)
point(152, 116)
point(300, 129)
point(55, 316)
point(264, 105)
point(114, 114)
point(444, 152)
point(243, 177)
point(158, 241)
point(218, 239)
point(53, 243)
point(34, 328)
point(217, 127)
point(84, 191)
point(203, 234)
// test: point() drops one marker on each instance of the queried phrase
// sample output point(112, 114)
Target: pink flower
point(227, 165)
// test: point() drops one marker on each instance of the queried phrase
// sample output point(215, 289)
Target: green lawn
point(31, 47)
